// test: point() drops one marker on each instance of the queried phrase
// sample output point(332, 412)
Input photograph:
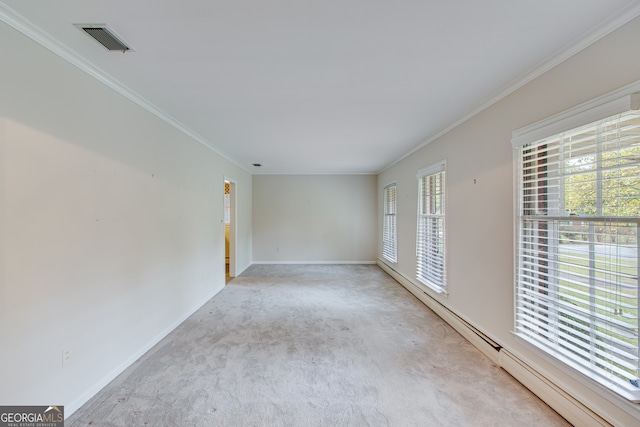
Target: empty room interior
point(470, 165)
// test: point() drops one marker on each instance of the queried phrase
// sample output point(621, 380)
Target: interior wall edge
point(413, 286)
point(555, 396)
point(315, 262)
point(456, 322)
point(26, 27)
point(606, 27)
point(240, 270)
point(92, 391)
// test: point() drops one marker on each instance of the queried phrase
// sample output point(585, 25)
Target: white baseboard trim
point(69, 409)
point(557, 398)
point(481, 341)
point(239, 271)
point(313, 262)
point(561, 401)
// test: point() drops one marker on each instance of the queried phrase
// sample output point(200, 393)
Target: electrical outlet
point(66, 356)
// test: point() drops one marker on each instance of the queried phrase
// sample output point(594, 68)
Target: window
point(577, 246)
point(430, 241)
point(389, 233)
point(227, 202)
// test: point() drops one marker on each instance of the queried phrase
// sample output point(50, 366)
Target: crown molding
point(617, 102)
point(35, 33)
point(607, 26)
point(29, 29)
point(302, 173)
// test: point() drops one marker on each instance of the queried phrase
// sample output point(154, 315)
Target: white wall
point(314, 218)
point(480, 214)
point(111, 227)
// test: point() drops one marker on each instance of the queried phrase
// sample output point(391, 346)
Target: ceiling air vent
point(105, 37)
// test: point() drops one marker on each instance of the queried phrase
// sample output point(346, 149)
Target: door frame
point(232, 224)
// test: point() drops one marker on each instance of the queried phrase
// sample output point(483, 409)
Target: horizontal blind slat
point(577, 270)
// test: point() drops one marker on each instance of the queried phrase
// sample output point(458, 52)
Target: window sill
point(432, 287)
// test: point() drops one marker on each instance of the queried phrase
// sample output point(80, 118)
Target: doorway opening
point(229, 229)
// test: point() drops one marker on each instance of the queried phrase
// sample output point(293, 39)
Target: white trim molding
point(555, 396)
point(313, 262)
point(561, 401)
point(92, 391)
point(608, 25)
point(35, 33)
point(620, 101)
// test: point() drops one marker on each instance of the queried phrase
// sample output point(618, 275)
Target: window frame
point(436, 279)
point(390, 223)
point(614, 104)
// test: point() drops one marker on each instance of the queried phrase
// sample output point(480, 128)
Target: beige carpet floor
point(314, 345)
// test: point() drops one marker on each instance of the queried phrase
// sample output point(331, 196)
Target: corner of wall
point(562, 402)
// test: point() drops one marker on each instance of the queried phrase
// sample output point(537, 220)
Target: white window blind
point(430, 239)
point(577, 249)
point(389, 231)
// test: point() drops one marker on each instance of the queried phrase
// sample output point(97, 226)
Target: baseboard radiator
point(560, 400)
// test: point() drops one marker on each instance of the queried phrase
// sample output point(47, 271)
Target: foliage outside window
point(430, 240)
point(577, 261)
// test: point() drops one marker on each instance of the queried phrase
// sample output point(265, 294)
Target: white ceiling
point(324, 86)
